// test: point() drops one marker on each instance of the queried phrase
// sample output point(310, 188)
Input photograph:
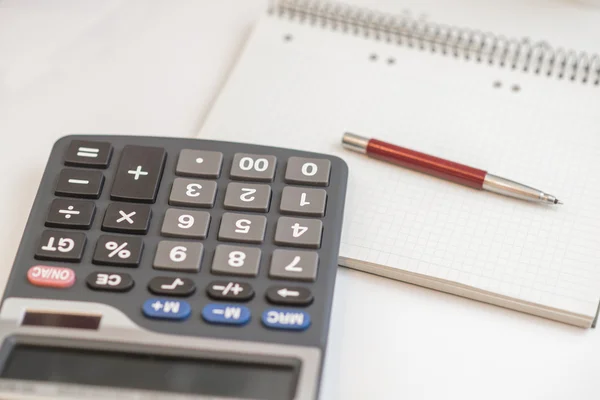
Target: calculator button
point(127, 218)
point(60, 246)
point(109, 281)
point(201, 163)
point(236, 260)
point(311, 171)
point(123, 251)
point(229, 314)
point(166, 309)
point(69, 213)
point(242, 228)
point(85, 153)
point(289, 295)
point(138, 174)
point(193, 193)
point(48, 276)
point(303, 201)
point(247, 197)
point(253, 167)
point(178, 256)
point(230, 290)
point(299, 232)
point(185, 223)
point(172, 286)
point(294, 265)
point(286, 319)
point(79, 183)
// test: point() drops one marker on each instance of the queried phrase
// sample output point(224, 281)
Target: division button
point(228, 314)
point(82, 183)
point(123, 251)
point(289, 295)
point(230, 290)
point(60, 246)
point(200, 163)
point(127, 218)
point(70, 213)
point(109, 281)
point(172, 286)
point(166, 309)
point(139, 173)
point(286, 319)
point(47, 276)
point(86, 153)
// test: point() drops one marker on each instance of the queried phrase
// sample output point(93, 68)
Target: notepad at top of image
point(308, 74)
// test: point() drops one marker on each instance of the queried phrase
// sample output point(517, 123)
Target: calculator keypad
point(218, 234)
point(193, 193)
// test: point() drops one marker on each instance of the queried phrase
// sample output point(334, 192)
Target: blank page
point(302, 86)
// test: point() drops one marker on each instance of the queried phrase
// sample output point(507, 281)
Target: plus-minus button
point(138, 174)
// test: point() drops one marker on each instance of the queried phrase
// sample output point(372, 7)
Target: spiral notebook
point(521, 109)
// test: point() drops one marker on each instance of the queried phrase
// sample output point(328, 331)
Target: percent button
point(123, 251)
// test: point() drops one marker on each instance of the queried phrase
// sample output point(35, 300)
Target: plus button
point(137, 172)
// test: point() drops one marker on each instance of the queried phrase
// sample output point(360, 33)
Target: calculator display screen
point(150, 372)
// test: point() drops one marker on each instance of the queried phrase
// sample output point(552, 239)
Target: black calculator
point(171, 268)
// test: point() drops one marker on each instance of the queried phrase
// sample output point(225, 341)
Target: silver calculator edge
point(117, 332)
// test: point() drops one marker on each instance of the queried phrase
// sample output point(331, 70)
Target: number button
point(60, 246)
point(193, 193)
point(303, 201)
point(236, 260)
point(243, 228)
point(178, 256)
point(253, 167)
point(201, 163)
point(245, 196)
point(123, 251)
point(185, 223)
point(299, 232)
point(311, 171)
point(294, 265)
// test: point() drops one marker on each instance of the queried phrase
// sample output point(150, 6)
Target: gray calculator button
point(253, 167)
point(236, 260)
point(247, 196)
point(303, 201)
point(193, 192)
point(178, 256)
point(312, 171)
point(202, 163)
point(295, 265)
point(299, 232)
point(243, 228)
point(185, 223)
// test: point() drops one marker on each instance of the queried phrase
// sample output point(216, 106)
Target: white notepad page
point(302, 86)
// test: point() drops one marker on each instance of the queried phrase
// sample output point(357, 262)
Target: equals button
point(87, 153)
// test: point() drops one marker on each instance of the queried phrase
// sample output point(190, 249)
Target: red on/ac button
point(57, 277)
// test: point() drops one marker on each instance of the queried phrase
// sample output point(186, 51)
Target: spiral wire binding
point(539, 58)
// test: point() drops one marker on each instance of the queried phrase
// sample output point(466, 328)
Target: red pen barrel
point(451, 171)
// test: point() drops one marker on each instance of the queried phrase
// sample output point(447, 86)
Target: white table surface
point(153, 68)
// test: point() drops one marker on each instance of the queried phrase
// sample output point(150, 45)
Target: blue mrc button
point(286, 319)
point(166, 309)
point(226, 314)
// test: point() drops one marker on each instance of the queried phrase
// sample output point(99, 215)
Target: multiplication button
point(127, 218)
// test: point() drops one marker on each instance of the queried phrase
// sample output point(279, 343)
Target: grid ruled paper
point(306, 92)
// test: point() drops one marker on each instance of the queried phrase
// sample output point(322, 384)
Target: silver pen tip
point(557, 201)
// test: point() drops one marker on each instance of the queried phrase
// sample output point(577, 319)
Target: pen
point(448, 170)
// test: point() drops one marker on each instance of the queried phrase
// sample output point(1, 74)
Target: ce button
point(112, 282)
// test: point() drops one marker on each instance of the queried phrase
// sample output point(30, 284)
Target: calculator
point(171, 268)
